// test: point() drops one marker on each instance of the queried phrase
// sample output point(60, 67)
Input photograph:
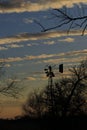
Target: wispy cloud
point(38, 36)
point(3, 48)
point(42, 56)
point(49, 43)
point(30, 57)
point(14, 46)
point(50, 58)
point(26, 20)
point(32, 44)
point(23, 6)
point(7, 46)
point(67, 40)
point(12, 59)
point(7, 65)
point(65, 60)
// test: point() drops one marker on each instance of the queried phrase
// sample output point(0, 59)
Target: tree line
point(66, 98)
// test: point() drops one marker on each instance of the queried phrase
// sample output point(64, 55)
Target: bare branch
point(11, 89)
point(65, 19)
point(64, 14)
point(60, 25)
point(84, 29)
point(70, 26)
point(38, 23)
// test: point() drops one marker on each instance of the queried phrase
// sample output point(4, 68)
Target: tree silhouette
point(65, 17)
point(10, 88)
point(68, 95)
point(34, 106)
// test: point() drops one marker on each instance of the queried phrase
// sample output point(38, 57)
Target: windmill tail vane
point(50, 74)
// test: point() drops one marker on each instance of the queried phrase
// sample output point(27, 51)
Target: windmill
point(50, 74)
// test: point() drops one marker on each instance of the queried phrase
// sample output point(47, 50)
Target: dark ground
point(71, 123)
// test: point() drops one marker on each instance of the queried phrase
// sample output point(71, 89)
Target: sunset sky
point(26, 49)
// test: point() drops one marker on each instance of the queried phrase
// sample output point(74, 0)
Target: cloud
point(18, 6)
point(67, 40)
point(49, 43)
point(32, 44)
point(26, 20)
point(68, 59)
point(50, 58)
point(14, 46)
point(38, 36)
point(7, 65)
point(12, 59)
point(42, 56)
point(30, 57)
point(64, 60)
point(74, 53)
point(3, 48)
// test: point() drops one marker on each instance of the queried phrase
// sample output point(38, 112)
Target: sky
point(26, 49)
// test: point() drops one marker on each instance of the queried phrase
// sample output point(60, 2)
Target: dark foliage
point(45, 123)
point(67, 97)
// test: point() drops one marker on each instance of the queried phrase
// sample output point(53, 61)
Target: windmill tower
point(50, 74)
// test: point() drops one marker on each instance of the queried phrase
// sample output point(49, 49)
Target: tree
point(65, 18)
point(34, 106)
point(78, 87)
point(9, 88)
point(68, 95)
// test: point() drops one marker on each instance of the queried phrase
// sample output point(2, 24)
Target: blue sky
point(26, 50)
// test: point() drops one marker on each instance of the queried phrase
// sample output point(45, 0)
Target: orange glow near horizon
point(10, 112)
